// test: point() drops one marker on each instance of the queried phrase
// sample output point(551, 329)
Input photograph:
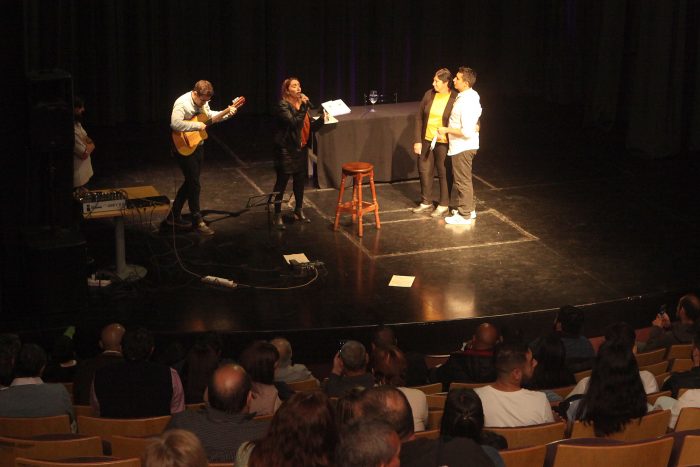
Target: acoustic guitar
point(186, 142)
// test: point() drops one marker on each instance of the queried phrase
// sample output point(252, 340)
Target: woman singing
point(294, 126)
point(434, 112)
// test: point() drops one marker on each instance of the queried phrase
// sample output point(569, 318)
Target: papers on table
point(336, 107)
point(298, 257)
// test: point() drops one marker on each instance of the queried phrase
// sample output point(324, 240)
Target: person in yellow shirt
point(430, 147)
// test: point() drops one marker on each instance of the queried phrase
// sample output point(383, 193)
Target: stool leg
point(359, 205)
point(354, 199)
point(340, 203)
point(374, 199)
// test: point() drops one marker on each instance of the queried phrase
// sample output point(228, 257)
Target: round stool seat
point(351, 168)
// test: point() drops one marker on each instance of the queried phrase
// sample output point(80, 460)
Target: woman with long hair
point(293, 134)
point(302, 433)
point(259, 360)
point(615, 393)
point(551, 371)
point(464, 418)
point(389, 365)
point(429, 146)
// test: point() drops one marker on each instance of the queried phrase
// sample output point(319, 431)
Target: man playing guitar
point(190, 117)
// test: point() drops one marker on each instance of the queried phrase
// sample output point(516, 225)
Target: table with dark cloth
point(383, 137)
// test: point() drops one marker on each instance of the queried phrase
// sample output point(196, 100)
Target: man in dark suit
point(111, 345)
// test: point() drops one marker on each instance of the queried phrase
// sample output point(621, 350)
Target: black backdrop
point(633, 65)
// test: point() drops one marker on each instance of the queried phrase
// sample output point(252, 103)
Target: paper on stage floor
point(401, 281)
point(335, 108)
point(298, 257)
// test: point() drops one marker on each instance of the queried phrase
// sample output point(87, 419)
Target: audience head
point(302, 432)
point(463, 416)
point(284, 349)
point(368, 443)
point(623, 334)
point(514, 363)
point(389, 404)
point(550, 354)
point(354, 357)
point(63, 349)
point(615, 393)
point(111, 337)
point(569, 320)
point(175, 448)
point(259, 360)
point(229, 389)
point(382, 336)
point(389, 366)
point(137, 344)
point(689, 308)
point(30, 361)
point(9, 349)
point(200, 363)
point(348, 406)
point(486, 337)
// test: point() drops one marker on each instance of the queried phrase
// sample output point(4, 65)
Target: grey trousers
point(459, 175)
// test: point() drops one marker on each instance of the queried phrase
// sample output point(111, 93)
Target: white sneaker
point(457, 219)
point(472, 215)
point(422, 208)
point(439, 211)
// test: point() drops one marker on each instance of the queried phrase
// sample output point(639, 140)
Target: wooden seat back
point(655, 453)
point(430, 388)
point(310, 384)
point(521, 437)
point(28, 427)
point(52, 449)
point(690, 451)
point(436, 401)
point(655, 368)
point(87, 462)
point(679, 351)
point(681, 364)
point(432, 361)
point(135, 427)
point(532, 456)
point(649, 358)
point(429, 434)
point(651, 425)
point(688, 419)
point(434, 419)
point(578, 376)
point(458, 385)
point(125, 447)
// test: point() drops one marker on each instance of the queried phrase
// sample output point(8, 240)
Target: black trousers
point(290, 164)
point(191, 167)
point(428, 161)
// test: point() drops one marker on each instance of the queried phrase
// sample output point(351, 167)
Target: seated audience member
point(551, 371)
point(259, 361)
point(464, 418)
point(690, 398)
point(136, 387)
point(175, 448)
point(686, 379)
point(579, 350)
point(389, 404)
point(505, 402)
point(9, 349)
point(111, 345)
point(368, 443)
point(349, 370)
point(615, 394)
point(417, 369)
point(286, 371)
point(389, 367)
point(28, 395)
point(200, 363)
point(302, 432)
point(624, 334)
point(665, 333)
point(474, 364)
point(62, 364)
point(224, 423)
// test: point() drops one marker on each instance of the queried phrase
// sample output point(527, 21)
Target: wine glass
point(373, 98)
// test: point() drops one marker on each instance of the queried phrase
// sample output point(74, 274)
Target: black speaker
point(49, 170)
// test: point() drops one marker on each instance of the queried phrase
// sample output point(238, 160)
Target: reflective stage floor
point(564, 217)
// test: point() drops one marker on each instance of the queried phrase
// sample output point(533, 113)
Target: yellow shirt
point(435, 117)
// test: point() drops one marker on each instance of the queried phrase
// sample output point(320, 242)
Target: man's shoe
point(299, 215)
point(278, 222)
point(439, 211)
point(204, 229)
point(457, 219)
point(422, 208)
point(178, 222)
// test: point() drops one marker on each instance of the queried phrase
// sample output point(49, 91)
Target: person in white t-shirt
point(506, 403)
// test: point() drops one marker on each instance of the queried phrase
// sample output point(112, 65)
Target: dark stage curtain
point(632, 65)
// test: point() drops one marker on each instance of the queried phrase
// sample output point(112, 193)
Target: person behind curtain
point(434, 112)
point(82, 149)
point(463, 135)
point(294, 126)
point(186, 107)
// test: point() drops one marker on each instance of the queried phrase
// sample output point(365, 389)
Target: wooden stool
point(357, 207)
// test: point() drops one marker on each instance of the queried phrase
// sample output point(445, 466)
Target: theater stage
point(564, 217)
